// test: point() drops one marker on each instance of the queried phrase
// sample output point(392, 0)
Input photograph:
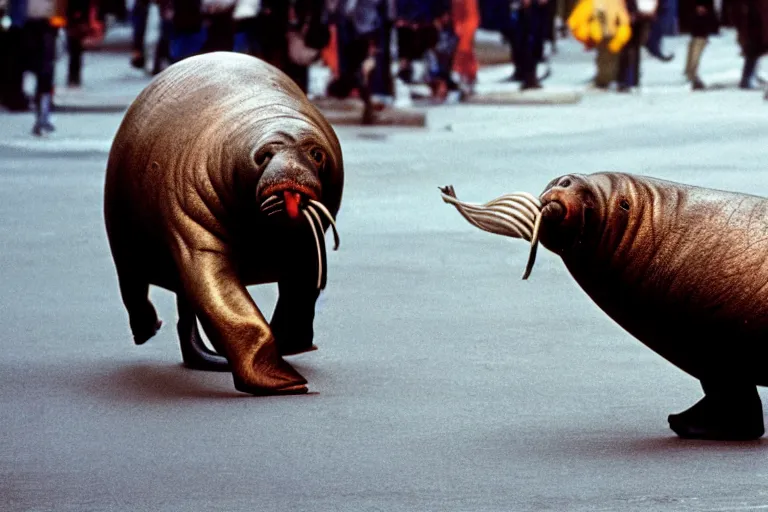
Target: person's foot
point(697, 84)
point(723, 417)
point(530, 84)
point(42, 129)
point(137, 60)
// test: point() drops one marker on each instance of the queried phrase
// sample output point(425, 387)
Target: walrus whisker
point(272, 205)
point(279, 210)
point(272, 198)
point(319, 252)
point(534, 246)
point(320, 206)
point(276, 208)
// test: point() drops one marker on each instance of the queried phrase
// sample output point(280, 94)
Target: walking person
point(12, 56)
point(642, 14)
point(750, 17)
point(44, 18)
point(699, 19)
point(466, 20)
point(78, 28)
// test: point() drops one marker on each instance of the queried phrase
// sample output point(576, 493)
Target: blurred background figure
point(664, 24)
point(78, 28)
point(466, 20)
point(245, 17)
point(699, 19)
point(42, 21)
point(527, 31)
point(440, 58)
point(642, 13)
point(12, 63)
point(750, 18)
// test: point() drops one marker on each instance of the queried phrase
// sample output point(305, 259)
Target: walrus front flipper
point(195, 354)
point(235, 325)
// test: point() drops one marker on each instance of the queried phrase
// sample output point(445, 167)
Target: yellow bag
point(592, 21)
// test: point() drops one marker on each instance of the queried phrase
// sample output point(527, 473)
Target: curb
point(530, 97)
point(338, 112)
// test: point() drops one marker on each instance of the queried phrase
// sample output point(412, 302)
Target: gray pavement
point(442, 380)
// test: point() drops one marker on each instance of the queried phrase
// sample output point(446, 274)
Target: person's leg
point(75, 51)
point(45, 78)
point(748, 71)
point(695, 49)
point(139, 16)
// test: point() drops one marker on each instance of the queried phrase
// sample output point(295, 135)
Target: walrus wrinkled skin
point(198, 153)
point(684, 270)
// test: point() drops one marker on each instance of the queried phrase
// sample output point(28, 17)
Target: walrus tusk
point(534, 246)
point(317, 244)
point(320, 206)
point(516, 215)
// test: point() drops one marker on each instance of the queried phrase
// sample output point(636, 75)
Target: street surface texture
point(443, 382)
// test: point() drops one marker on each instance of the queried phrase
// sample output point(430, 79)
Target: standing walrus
point(223, 175)
point(683, 269)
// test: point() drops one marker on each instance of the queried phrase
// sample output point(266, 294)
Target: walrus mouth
point(294, 203)
point(516, 215)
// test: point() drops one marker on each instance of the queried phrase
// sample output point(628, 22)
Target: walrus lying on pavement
point(683, 269)
point(223, 175)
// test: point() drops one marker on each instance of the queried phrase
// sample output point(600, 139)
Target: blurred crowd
point(370, 45)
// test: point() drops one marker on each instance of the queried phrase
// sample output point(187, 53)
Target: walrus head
point(569, 205)
point(291, 171)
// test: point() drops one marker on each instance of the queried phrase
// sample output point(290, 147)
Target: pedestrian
point(750, 17)
point(245, 17)
point(665, 23)
point(604, 25)
point(12, 56)
point(441, 57)
point(139, 15)
point(44, 19)
point(466, 20)
point(527, 31)
point(699, 19)
point(78, 28)
point(642, 13)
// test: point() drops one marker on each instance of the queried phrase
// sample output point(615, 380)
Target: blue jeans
point(186, 44)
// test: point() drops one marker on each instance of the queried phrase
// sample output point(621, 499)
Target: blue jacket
point(17, 10)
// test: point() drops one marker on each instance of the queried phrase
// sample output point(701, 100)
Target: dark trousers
point(139, 17)
point(12, 69)
point(40, 38)
point(629, 58)
point(75, 50)
point(527, 38)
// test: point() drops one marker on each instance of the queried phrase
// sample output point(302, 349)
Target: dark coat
point(698, 25)
point(750, 18)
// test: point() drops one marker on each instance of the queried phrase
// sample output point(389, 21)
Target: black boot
point(726, 413)
point(747, 72)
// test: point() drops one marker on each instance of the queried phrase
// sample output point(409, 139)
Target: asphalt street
point(443, 382)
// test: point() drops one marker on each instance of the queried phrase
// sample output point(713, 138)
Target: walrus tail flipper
point(195, 354)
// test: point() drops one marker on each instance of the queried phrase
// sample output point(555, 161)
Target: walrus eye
point(624, 205)
point(318, 156)
point(565, 183)
point(263, 157)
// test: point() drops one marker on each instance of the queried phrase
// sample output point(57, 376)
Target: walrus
point(222, 175)
point(683, 269)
